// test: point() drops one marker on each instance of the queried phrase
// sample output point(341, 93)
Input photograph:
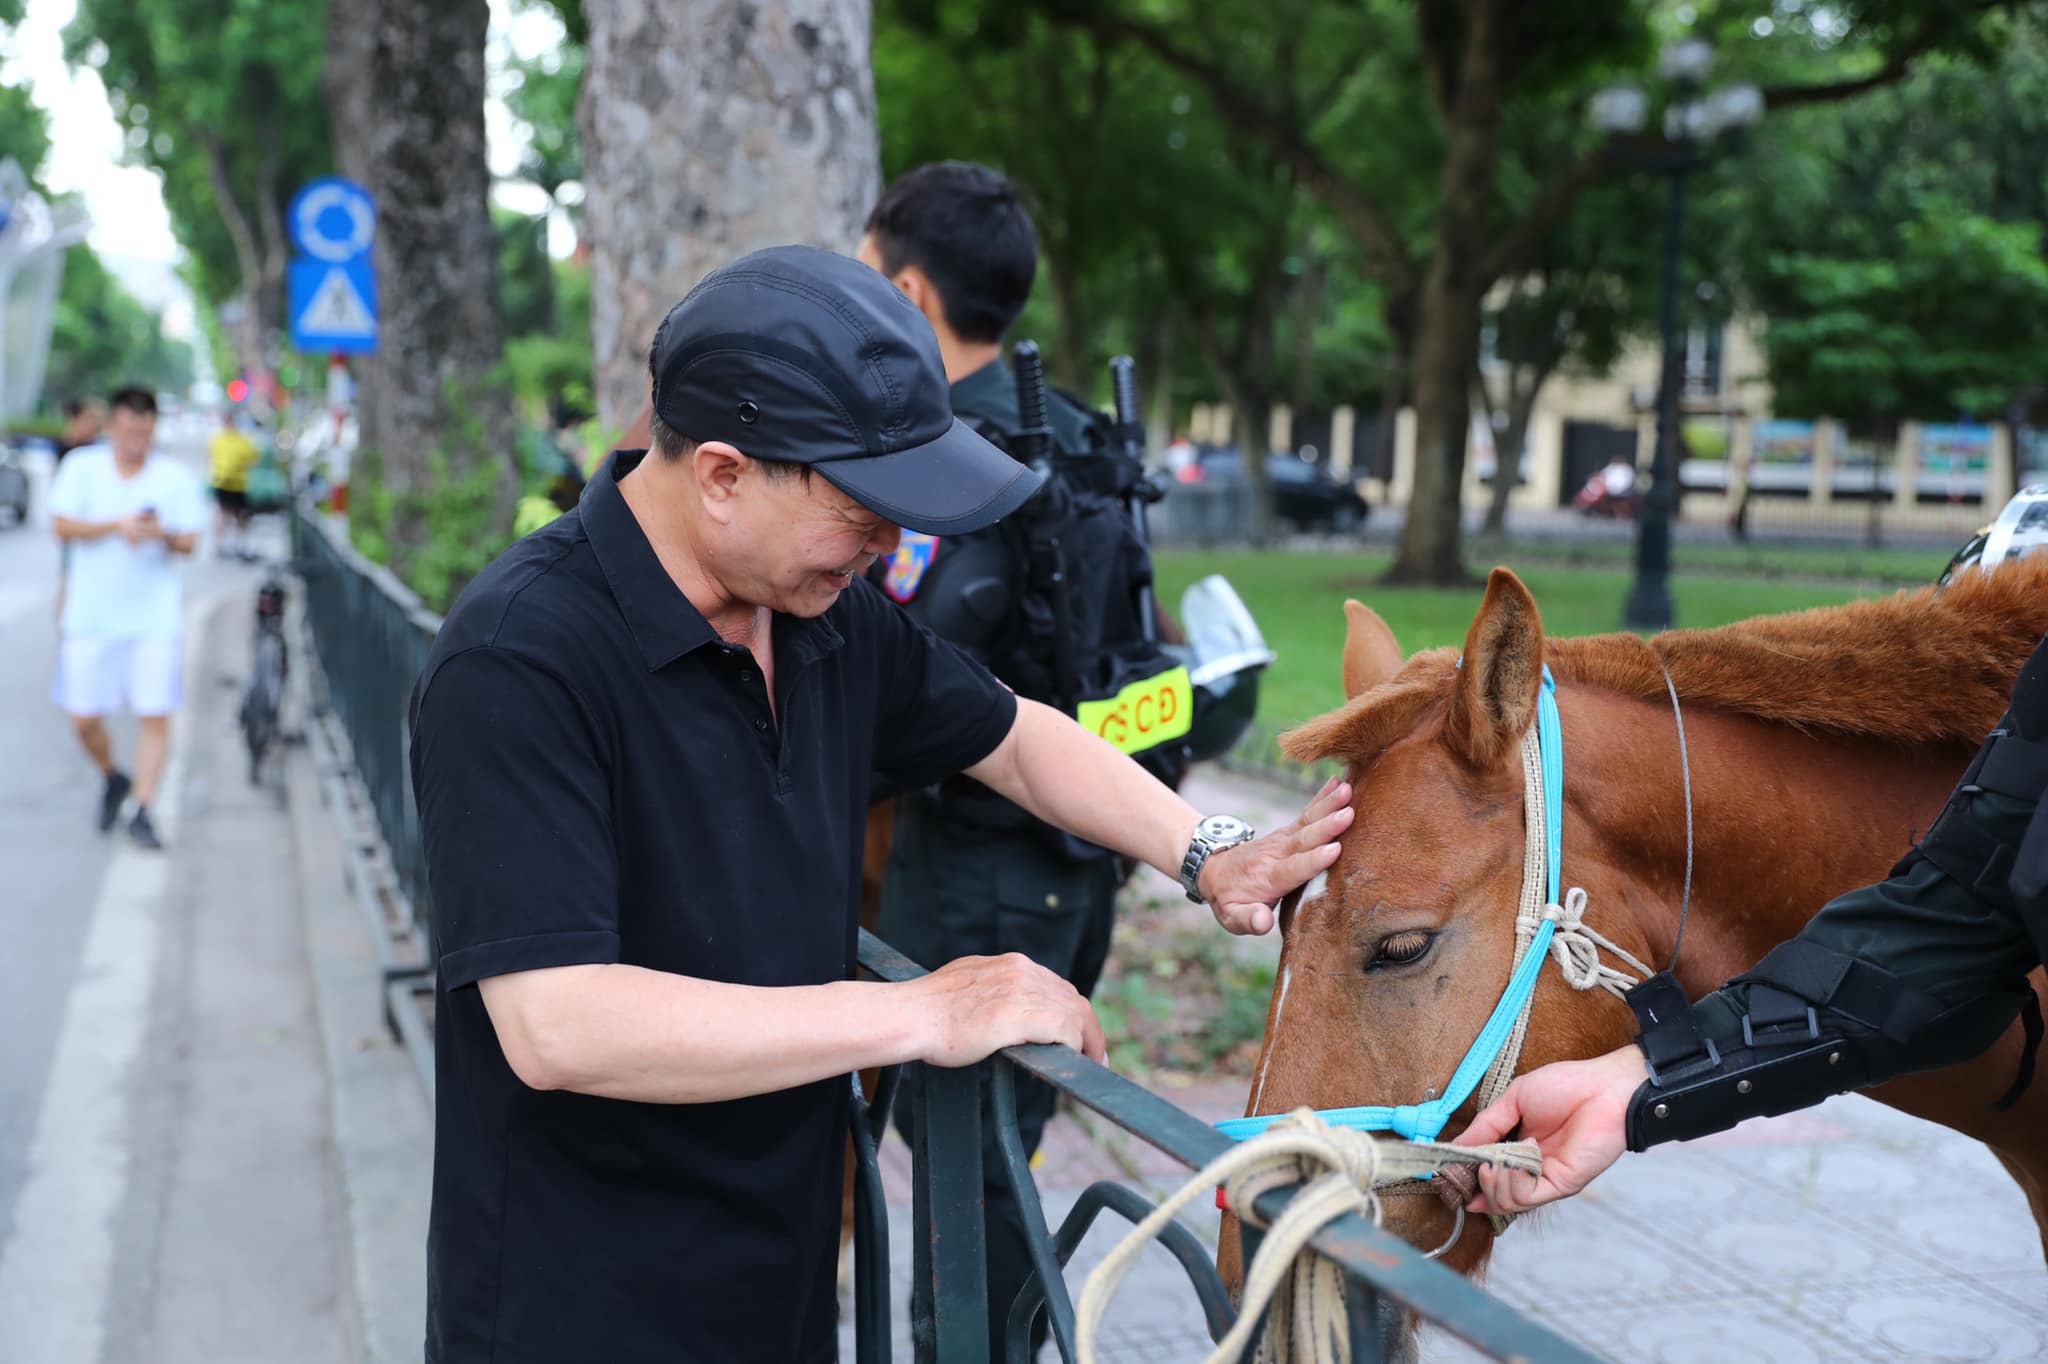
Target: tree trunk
point(1068, 357)
point(710, 130)
point(1447, 331)
point(347, 81)
point(1445, 345)
point(270, 285)
point(1308, 307)
point(251, 330)
point(1507, 471)
point(442, 435)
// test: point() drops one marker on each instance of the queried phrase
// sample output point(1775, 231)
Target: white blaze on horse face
point(1311, 893)
point(1259, 1087)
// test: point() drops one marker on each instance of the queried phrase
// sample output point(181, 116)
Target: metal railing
point(949, 1310)
point(372, 633)
point(370, 638)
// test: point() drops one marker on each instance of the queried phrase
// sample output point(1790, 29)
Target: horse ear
point(1501, 676)
point(1371, 654)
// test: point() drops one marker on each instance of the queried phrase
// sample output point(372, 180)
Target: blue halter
point(1425, 1121)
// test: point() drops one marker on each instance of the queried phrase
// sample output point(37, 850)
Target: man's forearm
point(70, 529)
point(626, 1032)
point(1073, 779)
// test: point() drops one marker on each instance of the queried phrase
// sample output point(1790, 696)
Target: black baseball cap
point(799, 354)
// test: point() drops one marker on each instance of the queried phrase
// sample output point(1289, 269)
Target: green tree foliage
point(103, 337)
point(24, 129)
point(1448, 139)
point(222, 98)
point(545, 101)
point(1945, 326)
point(551, 369)
point(1895, 246)
point(526, 279)
point(1164, 231)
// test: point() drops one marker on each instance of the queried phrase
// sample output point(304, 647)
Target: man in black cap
point(641, 749)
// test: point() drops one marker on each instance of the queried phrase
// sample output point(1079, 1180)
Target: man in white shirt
point(125, 512)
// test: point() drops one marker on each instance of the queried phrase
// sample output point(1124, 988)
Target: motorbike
point(1611, 493)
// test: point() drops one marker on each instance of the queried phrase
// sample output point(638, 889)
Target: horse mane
point(1925, 666)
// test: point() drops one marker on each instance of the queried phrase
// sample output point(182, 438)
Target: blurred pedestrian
point(230, 457)
point(126, 512)
point(81, 426)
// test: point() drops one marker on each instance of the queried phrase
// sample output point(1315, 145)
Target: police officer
point(969, 873)
point(1923, 970)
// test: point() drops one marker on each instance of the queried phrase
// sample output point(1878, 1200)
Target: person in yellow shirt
point(231, 455)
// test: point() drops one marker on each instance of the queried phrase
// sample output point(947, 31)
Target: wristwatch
point(1212, 836)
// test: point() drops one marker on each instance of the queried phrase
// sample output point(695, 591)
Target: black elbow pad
point(1820, 1023)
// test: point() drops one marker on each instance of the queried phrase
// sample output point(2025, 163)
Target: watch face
point(1223, 828)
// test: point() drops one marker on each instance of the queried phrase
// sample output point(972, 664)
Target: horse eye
point(1401, 949)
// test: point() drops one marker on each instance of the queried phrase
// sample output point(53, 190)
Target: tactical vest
point(1047, 599)
point(2013, 762)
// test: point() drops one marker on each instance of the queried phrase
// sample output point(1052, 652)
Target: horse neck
point(1783, 821)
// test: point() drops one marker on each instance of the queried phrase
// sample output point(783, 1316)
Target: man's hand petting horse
point(1243, 884)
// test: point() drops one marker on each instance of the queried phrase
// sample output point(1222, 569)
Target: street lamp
point(1693, 117)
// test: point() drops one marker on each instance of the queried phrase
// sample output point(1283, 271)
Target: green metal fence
point(372, 634)
point(370, 637)
point(949, 1310)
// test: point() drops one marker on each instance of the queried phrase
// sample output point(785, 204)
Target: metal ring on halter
point(1457, 1230)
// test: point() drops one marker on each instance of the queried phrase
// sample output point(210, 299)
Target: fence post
point(949, 1247)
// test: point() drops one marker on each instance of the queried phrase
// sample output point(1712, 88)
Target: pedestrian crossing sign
point(334, 306)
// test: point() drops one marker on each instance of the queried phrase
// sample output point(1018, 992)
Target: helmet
point(2020, 528)
point(1224, 655)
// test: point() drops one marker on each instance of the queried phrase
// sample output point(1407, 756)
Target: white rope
point(1576, 944)
point(1340, 1170)
point(1528, 908)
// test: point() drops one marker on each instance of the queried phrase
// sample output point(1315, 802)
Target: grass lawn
point(1891, 566)
point(1298, 600)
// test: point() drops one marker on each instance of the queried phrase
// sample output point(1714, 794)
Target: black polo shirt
point(601, 779)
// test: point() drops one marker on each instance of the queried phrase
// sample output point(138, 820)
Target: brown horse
point(1820, 743)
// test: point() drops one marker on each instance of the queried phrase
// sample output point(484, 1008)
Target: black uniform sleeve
point(513, 787)
point(940, 711)
point(1917, 972)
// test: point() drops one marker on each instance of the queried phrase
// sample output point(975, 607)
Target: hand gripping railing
point(949, 1311)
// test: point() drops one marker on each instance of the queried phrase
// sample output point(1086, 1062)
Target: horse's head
point(1394, 959)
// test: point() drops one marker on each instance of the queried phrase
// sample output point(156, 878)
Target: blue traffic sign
point(333, 220)
point(334, 307)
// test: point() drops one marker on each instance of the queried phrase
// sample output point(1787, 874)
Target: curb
point(381, 1123)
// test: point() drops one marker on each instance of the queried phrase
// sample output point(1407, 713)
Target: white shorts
point(97, 676)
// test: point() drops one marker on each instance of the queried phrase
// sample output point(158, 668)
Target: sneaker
point(142, 832)
point(111, 798)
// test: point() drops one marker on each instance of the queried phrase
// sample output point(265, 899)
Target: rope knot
point(1576, 947)
point(1310, 1152)
point(1295, 1293)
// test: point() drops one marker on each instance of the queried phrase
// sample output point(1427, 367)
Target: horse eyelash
point(1381, 958)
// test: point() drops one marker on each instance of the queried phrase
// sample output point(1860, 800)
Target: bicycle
point(263, 697)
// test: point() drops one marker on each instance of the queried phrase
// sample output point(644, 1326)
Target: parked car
point(13, 484)
point(1304, 495)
